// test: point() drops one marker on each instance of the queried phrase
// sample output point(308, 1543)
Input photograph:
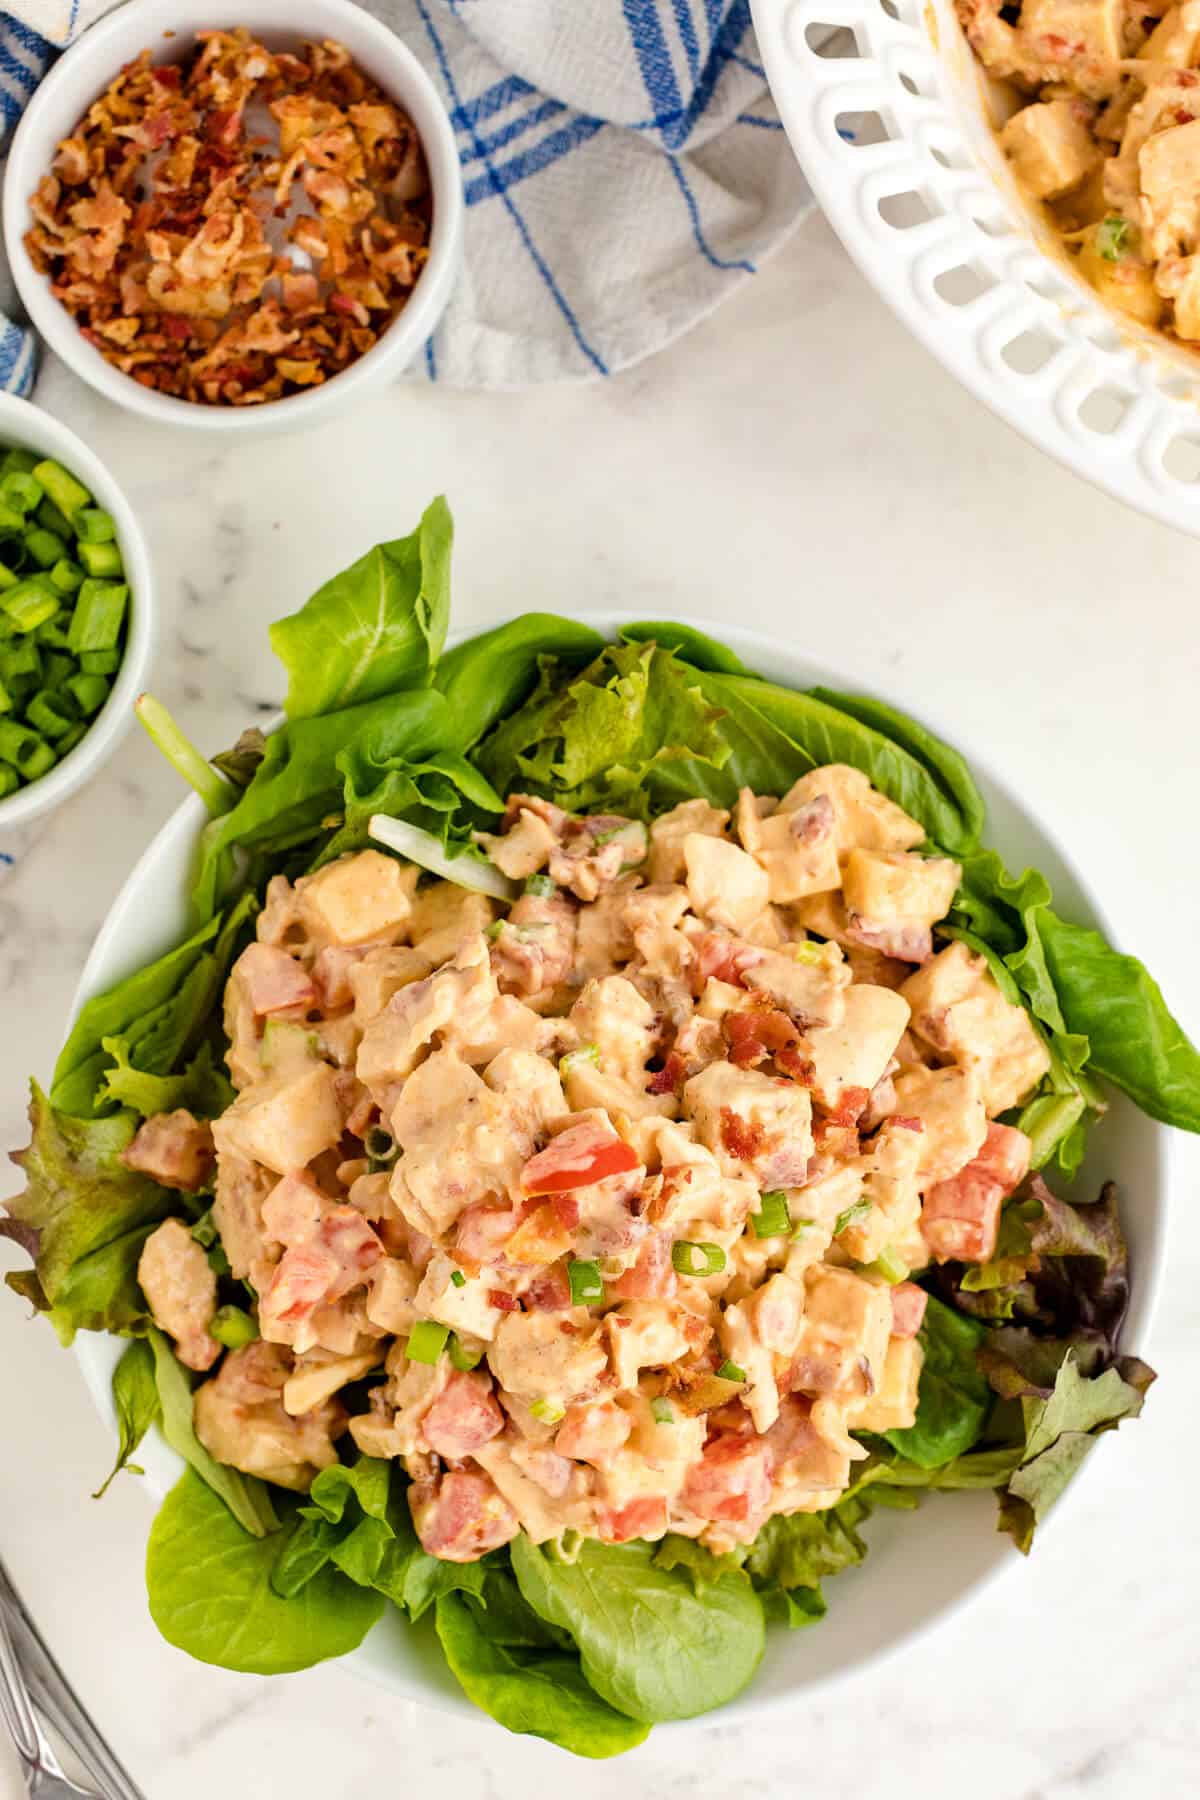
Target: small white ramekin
point(27, 427)
point(167, 28)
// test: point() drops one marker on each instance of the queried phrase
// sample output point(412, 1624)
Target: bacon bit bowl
point(203, 329)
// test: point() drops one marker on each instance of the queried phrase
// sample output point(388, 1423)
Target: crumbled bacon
point(164, 227)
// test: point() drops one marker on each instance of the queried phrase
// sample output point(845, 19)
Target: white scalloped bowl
point(893, 131)
point(923, 1566)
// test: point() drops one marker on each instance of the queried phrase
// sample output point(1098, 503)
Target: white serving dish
point(167, 28)
point(893, 132)
point(923, 1566)
point(27, 427)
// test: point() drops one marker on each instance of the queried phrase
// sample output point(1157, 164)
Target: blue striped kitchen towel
point(624, 165)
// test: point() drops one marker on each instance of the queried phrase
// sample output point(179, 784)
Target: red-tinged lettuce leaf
point(85, 1216)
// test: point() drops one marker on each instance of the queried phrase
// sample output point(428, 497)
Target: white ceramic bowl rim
point(26, 425)
point(83, 72)
point(149, 916)
point(925, 203)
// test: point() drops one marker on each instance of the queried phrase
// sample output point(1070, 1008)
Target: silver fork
point(30, 1680)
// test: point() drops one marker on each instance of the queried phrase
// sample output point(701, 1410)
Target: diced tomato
point(464, 1417)
point(461, 1517)
point(908, 1309)
point(652, 1276)
point(1005, 1156)
point(643, 1518)
point(579, 1156)
point(670, 1078)
point(167, 75)
point(346, 1235)
point(298, 1286)
point(550, 1291)
point(732, 1480)
point(961, 1217)
point(503, 1302)
point(851, 1104)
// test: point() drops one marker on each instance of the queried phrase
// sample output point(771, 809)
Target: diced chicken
point(596, 851)
point(611, 1014)
point(1050, 147)
point(732, 1481)
point(809, 981)
point(844, 1335)
point(647, 1334)
point(890, 1183)
point(532, 1088)
point(240, 1419)
point(534, 949)
point(593, 1431)
point(444, 917)
point(958, 1008)
point(284, 1120)
point(379, 974)
point(850, 1057)
point(893, 898)
point(175, 1149)
point(808, 1472)
point(961, 1216)
point(1082, 41)
point(319, 1375)
point(464, 1417)
point(273, 981)
point(652, 1276)
point(461, 1143)
point(181, 1291)
point(462, 1516)
point(325, 1261)
point(331, 975)
point(397, 1038)
point(603, 934)
point(864, 818)
point(391, 1293)
point(667, 834)
point(241, 1188)
point(949, 1105)
point(753, 1124)
point(893, 1405)
point(798, 849)
point(523, 848)
point(544, 1356)
point(908, 1309)
point(362, 898)
point(520, 1478)
point(725, 884)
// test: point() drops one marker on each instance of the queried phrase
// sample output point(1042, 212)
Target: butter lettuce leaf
point(953, 1399)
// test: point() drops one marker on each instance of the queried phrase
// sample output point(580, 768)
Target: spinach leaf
point(84, 1218)
point(489, 676)
point(209, 1588)
point(523, 1674)
point(944, 764)
point(202, 1088)
point(160, 1014)
point(375, 628)
point(135, 1399)
point(247, 1500)
point(298, 788)
point(1114, 1002)
point(953, 1396)
point(648, 1643)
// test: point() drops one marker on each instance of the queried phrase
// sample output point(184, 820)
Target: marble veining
point(800, 465)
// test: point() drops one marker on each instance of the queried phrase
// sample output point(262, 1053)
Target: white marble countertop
point(800, 465)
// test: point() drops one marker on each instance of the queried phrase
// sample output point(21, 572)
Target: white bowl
point(922, 1566)
point(890, 118)
point(167, 28)
point(27, 427)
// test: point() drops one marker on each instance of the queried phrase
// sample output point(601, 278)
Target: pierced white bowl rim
point(394, 1654)
point(915, 73)
point(25, 425)
point(82, 72)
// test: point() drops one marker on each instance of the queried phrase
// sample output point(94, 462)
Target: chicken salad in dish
point(595, 1147)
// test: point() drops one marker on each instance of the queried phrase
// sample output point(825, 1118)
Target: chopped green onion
point(89, 691)
point(217, 794)
point(575, 1059)
point(233, 1327)
point(664, 1412)
point(52, 634)
point(688, 1258)
point(426, 1341)
point(462, 1358)
point(458, 1278)
point(22, 657)
point(45, 547)
point(1112, 241)
point(40, 762)
point(10, 781)
point(50, 516)
point(851, 1216)
point(218, 1262)
point(10, 519)
point(889, 1267)
point(23, 749)
point(100, 662)
point(66, 577)
point(101, 560)
point(801, 1228)
point(7, 578)
point(541, 886)
point(30, 604)
point(205, 1230)
point(729, 1371)
point(21, 492)
point(25, 460)
point(381, 1148)
point(67, 493)
point(773, 1218)
point(98, 616)
point(548, 1411)
point(94, 526)
point(75, 736)
point(587, 1284)
point(6, 699)
point(46, 713)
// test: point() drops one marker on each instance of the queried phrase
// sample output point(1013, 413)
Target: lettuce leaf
point(84, 1218)
point(526, 1674)
point(801, 1550)
point(246, 1499)
point(953, 1398)
point(209, 1587)
point(137, 1406)
point(489, 676)
point(202, 1088)
point(375, 628)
